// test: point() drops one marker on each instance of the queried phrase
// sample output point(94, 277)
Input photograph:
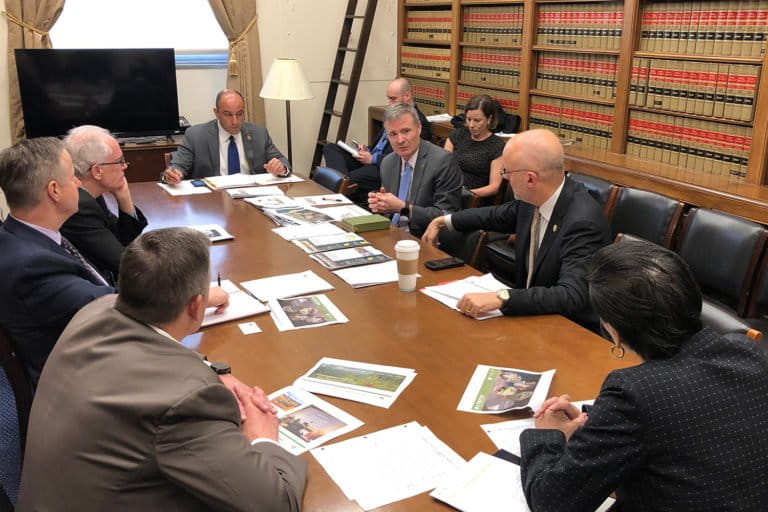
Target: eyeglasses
point(116, 162)
point(504, 171)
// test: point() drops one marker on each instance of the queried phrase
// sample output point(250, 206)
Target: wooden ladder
point(354, 78)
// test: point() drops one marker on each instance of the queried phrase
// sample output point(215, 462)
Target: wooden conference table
point(386, 327)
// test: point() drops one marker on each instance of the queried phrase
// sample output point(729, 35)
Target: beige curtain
point(28, 24)
point(238, 21)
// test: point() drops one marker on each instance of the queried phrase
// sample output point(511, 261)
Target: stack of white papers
point(297, 232)
point(247, 180)
point(214, 232)
point(506, 434)
point(241, 304)
point(240, 193)
point(482, 484)
point(306, 421)
point(434, 118)
point(268, 179)
point(287, 285)
point(369, 275)
point(184, 188)
point(305, 312)
point(372, 384)
point(492, 390)
point(315, 244)
point(323, 200)
point(389, 465)
point(354, 257)
point(450, 293)
point(344, 212)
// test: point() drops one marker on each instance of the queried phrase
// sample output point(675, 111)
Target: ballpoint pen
point(333, 199)
point(218, 279)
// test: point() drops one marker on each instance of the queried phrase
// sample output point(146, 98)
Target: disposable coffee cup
point(407, 252)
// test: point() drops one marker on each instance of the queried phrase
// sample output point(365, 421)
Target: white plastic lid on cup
point(404, 246)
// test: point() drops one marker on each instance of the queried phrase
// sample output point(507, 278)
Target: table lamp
point(285, 81)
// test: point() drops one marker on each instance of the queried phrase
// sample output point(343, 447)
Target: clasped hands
point(257, 414)
point(558, 413)
point(384, 202)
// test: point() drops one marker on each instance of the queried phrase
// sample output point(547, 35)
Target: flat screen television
point(131, 92)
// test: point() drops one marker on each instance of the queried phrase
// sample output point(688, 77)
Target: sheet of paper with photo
point(492, 390)
point(241, 193)
point(369, 275)
point(373, 384)
point(271, 201)
point(389, 465)
point(306, 421)
point(304, 216)
point(354, 257)
point(214, 232)
point(286, 285)
point(343, 212)
point(506, 434)
point(184, 188)
point(345, 240)
point(305, 312)
point(323, 200)
point(297, 232)
point(241, 305)
point(450, 293)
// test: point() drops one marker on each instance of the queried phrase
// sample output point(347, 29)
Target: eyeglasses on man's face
point(116, 162)
point(505, 172)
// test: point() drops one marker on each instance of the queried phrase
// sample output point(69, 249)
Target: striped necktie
point(402, 192)
point(533, 248)
point(67, 246)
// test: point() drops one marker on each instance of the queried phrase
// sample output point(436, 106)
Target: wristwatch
point(405, 211)
point(221, 368)
point(503, 296)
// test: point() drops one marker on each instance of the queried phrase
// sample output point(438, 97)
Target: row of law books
point(728, 27)
point(715, 89)
point(510, 101)
point(492, 66)
point(703, 146)
point(425, 62)
point(492, 24)
point(428, 25)
point(432, 97)
point(584, 26)
point(575, 74)
point(589, 124)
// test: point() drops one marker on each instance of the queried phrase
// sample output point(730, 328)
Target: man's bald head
point(537, 150)
point(399, 91)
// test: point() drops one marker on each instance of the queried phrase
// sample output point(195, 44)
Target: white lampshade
point(285, 81)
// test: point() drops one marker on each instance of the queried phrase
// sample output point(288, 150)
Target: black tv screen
point(127, 91)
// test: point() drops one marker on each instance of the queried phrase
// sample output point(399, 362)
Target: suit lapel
point(213, 147)
point(418, 172)
point(555, 223)
point(249, 149)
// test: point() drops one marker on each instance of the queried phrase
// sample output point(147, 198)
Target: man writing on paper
point(558, 226)
point(419, 180)
point(128, 418)
point(97, 233)
point(225, 145)
point(363, 170)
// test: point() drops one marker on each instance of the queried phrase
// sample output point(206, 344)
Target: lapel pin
point(249, 137)
point(554, 228)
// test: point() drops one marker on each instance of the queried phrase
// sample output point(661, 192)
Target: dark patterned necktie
point(67, 246)
point(233, 156)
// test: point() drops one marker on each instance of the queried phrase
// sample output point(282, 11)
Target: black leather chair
point(16, 402)
point(722, 251)
point(757, 311)
point(467, 246)
point(333, 180)
point(602, 190)
point(645, 214)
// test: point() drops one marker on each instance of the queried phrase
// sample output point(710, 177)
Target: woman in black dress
point(477, 149)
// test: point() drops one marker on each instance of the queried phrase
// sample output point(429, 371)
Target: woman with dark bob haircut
point(686, 430)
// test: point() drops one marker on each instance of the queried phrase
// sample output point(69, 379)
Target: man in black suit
point(97, 233)
point(363, 170)
point(226, 145)
point(419, 180)
point(567, 222)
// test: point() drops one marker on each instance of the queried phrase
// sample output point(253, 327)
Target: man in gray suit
point(127, 418)
point(420, 181)
point(225, 145)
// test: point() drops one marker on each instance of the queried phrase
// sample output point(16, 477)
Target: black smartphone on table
point(444, 263)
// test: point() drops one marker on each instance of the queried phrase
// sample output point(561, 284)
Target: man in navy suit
point(558, 226)
point(226, 145)
point(45, 281)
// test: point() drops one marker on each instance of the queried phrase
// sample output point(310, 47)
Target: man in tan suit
point(127, 418)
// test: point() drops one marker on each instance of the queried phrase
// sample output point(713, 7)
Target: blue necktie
point(402, 192)
point(233, 156)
